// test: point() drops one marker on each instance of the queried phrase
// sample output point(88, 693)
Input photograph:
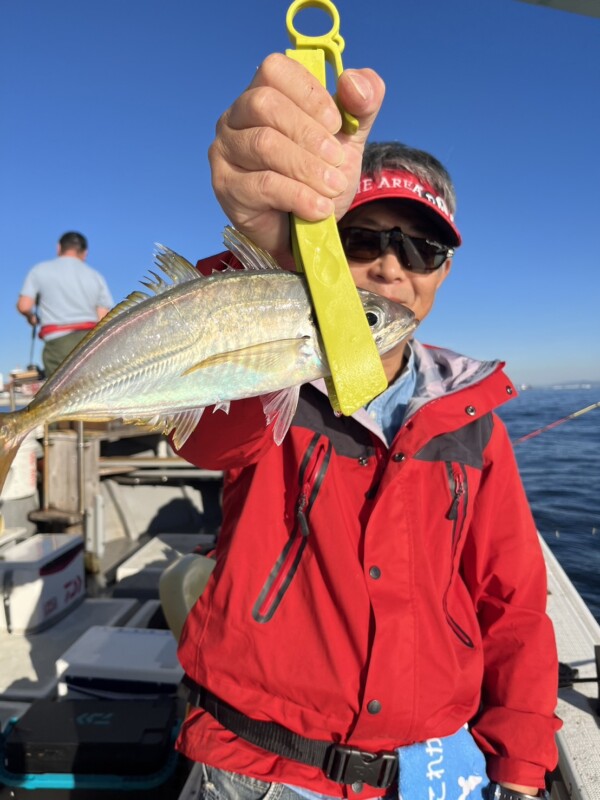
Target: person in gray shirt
point(66, 297)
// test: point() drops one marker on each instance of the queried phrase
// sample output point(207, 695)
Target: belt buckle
point(349, 765)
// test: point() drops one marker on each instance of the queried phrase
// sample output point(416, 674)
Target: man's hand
point(279, 149)
point(26, 306)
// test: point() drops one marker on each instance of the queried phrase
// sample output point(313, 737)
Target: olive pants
point(56, 350)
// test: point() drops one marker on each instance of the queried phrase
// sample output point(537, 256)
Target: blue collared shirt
point(388, 408)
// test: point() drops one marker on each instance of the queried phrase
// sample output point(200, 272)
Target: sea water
point(560, 469)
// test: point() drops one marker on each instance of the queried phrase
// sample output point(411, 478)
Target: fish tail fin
point(12, 434)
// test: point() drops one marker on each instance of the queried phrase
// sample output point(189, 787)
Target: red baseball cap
point(402, 185)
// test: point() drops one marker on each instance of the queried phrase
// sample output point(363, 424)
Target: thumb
point(361, 93)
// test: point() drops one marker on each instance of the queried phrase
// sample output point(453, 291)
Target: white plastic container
point(28, 663)
point(120, 663)
point(42, 579)
point(21, 480)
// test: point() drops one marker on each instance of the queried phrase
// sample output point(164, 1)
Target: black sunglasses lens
point(416, 254)
point(430, 254)
point(420, 256)
point(361, 243)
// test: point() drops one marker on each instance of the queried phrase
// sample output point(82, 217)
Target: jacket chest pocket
point(457, 513)
point(310, 478)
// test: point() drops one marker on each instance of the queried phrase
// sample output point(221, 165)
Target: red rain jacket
point(349, 571)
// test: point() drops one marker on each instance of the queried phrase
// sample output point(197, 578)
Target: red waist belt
point(73, 326)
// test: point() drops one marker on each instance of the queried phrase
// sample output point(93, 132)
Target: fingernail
point(332, 151)
point(325, 206)
point(362, 86)
point(335, 179)
point(331, 119)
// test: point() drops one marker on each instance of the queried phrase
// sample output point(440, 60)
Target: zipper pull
point(459, 490)
point(300, 515)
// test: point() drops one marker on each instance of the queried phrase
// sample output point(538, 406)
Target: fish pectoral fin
point(264, 357)
point(281, 407)
point(183, 424)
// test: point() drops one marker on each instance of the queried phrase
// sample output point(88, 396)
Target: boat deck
point(577, 635)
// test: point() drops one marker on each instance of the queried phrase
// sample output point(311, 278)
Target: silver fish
point(159, 358)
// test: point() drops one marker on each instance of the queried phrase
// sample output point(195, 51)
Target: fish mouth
point(395, 334)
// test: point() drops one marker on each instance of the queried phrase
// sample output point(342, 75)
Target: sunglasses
point(415, 254)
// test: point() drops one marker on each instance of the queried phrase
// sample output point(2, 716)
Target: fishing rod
point(556, 423)
point(33, 331)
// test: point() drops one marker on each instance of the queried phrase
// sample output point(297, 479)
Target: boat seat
point(180, 585)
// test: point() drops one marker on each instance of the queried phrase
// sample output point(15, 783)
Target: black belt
point(339, 763)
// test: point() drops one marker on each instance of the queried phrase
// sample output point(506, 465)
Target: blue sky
point(107, 109)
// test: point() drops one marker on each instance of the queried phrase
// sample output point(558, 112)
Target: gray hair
point(379, 156)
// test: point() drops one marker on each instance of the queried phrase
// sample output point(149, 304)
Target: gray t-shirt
point(69, 291)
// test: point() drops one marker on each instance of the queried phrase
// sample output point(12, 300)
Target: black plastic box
point(92, 737)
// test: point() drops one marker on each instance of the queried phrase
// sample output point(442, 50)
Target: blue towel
point(452, 768)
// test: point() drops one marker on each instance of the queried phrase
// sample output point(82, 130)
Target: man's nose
point(390, 266)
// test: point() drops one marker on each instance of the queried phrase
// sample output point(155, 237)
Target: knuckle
point(213, 154)
point(314, 138)
point(271, 67)
point(263, 140)
point(267, 183)
point(221, 125)
point(216, 161)
point(260, 102)
point(304, 203)
point(307, 168)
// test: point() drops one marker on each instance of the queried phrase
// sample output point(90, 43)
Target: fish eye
point(374, 317)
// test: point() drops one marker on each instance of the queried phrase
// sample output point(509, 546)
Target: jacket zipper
point(457, 479)
point(312, 472)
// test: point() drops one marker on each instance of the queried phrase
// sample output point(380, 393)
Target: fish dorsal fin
point(249, 254)
point(175, 267)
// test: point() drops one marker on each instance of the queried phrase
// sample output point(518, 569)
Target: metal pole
point(80, 469)
point(46, 470)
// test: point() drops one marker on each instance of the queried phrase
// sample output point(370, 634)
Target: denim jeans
point(217, 784)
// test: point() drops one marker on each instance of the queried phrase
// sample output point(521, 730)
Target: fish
point(162, 356)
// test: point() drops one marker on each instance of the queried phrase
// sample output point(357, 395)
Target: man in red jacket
point(378, 603)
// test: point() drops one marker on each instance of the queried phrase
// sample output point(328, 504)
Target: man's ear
point(443, 272)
